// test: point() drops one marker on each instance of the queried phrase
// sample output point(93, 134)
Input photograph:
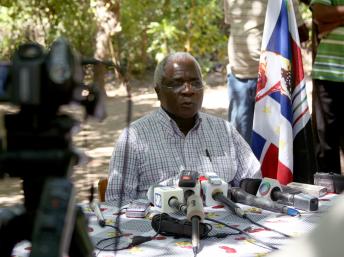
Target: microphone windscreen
point(250, 185)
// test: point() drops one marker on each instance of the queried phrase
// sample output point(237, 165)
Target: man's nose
point(187, 88)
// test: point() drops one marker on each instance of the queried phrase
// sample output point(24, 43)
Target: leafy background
point(146, 29)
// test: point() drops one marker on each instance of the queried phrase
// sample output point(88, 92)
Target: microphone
point(195, 214)
point(271, 189)
point(190, 184)
point(240, 196)
point(188, 181)
point(212, 183)
point(250, 185)
point(166, 199)
point(98, 213)
point(215, 191)
point(267, 187)
point(194, 207)
point(150, 193)
point(219, 196)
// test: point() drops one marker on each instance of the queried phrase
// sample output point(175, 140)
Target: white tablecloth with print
point(235, 245)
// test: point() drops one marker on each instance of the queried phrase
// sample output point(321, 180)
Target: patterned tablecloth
point(233, 245)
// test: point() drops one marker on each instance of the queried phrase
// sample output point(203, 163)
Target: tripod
point(39, 150)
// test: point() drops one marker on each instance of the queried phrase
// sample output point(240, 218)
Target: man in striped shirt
point(176, 137)
point(328, 77)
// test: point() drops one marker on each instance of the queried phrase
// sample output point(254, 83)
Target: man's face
point(181, 92)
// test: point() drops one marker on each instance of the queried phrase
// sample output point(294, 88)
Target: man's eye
point(196, 84)
point(174, 84)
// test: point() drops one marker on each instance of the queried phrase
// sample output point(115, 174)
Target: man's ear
point(157, 91)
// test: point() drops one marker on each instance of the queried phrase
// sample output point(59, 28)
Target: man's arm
point(123, 171)
point(327, 17)
point(328, 13)
point(248, 166)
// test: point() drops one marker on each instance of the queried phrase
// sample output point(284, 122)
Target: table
point(235, 245)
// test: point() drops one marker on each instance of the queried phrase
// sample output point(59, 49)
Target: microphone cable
point(137, 240)
point(265, 227)
point(262, 243)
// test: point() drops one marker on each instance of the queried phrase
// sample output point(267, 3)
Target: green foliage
point(153, 28)
point(150, 28)
point(43, 21)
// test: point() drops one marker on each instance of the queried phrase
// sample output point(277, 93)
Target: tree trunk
point(107, 14)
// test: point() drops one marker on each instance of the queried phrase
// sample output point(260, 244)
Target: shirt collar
point(171, 125)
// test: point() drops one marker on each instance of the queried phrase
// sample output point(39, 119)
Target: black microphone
point(166, 225)
point(220, 197)
point(98, 213)
point(250, 185)
point(299, 200)
point(240, 196)
point(177, 205)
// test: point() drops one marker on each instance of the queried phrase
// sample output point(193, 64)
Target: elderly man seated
point(176, 137)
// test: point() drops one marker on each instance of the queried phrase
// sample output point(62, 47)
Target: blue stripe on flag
point(296, 93)
point(284, 101)
point(280, 39)
point(258, 143)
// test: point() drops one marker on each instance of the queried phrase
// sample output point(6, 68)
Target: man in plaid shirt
point(157, 147)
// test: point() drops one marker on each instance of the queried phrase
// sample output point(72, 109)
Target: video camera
point(39, 82)
point(43, 81)
point(36, 145)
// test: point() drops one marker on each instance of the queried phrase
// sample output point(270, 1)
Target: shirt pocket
point(221, 163)
point(224, 167)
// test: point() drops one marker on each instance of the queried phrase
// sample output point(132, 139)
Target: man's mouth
point(187, 104)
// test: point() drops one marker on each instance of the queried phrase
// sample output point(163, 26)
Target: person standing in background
point(246, 20)
point(328, 79)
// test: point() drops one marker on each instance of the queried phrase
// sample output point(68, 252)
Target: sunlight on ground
point(215, 98)
point(10, 200)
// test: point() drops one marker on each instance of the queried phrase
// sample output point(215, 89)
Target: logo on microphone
point(157, 200)
point(267, 186)
point(264, 188)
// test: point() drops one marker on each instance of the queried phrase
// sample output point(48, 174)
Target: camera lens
point(30, 51)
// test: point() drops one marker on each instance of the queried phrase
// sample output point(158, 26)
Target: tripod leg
point(59, 225)
point(81, 244)
point(54, 219)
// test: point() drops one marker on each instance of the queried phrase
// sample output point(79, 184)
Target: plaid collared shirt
point(158, 151)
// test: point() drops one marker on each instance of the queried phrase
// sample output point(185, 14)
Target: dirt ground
point(97, 139)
